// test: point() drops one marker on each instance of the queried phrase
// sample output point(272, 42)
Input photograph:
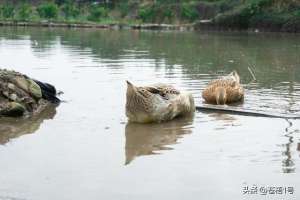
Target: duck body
point(21, 95)
point(157, 103)
point(225, 90)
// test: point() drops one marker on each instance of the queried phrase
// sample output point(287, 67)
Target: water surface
point(85, 149)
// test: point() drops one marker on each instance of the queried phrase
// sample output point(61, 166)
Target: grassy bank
point(269, 15)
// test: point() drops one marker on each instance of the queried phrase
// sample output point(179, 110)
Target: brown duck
point(157, 103)
point(225, 90)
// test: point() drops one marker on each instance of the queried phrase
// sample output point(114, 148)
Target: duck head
point(221, 96)
point(235, 75)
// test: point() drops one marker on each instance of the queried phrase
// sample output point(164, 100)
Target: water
point(84, 149)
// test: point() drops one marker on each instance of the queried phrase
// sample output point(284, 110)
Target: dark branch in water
point(252, 74)
point(222, 109)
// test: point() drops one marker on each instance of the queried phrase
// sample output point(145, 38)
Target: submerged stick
point(221, 109)
point(252, 74)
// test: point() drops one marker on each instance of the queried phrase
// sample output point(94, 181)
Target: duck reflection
point(225, 119)
point(222, 117)
point(149, 139)
point(15, 127)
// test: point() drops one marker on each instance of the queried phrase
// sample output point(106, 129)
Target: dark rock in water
point(21, 95)
point(48, 91)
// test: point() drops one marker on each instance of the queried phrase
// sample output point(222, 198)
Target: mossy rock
point(29, 86)
point(34, 89)
point(13, 109)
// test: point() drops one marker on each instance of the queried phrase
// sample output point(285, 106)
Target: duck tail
point(48, 92)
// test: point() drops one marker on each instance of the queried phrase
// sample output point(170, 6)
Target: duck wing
point(235, 94)
point(163, 90)
point(223, 82)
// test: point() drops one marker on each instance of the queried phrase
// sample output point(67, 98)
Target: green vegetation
point(97, 13)
point(70, 10)
point(265, 14)
point(24, 12)
point(243, 14)
point(189, 12)
point(48, 10)
point(7, 11)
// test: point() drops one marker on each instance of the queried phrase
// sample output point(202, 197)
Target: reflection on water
point(11, 128)
point(150, 139)
point(288, 165)
point(225, 120)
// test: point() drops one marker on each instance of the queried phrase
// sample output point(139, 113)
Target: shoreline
point(203, 25)
point(152, 26)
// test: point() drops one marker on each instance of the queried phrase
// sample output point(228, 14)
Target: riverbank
point(245, 15)
point(182, 27)
point(204, 25)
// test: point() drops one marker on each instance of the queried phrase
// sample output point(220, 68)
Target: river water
point(84, 148)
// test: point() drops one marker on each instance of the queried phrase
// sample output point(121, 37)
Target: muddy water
point(84, 149)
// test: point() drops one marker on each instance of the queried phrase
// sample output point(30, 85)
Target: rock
point(21, 95)
point(34, 89)
point(11, 86)
point(29, 86)
point(13, 109)
point(13, 97)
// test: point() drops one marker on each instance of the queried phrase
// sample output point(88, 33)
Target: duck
point(226, 90)
point(157, 103)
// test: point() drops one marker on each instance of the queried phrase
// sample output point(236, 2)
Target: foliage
point(159, 13)
point(146, 14)
point(189, 12)
point(48, 10)
point(97, 12)
point(227, 13)
point(7, 11)
point(168, 13)
point(70, 9)
point(24, 12)
point(124, 9)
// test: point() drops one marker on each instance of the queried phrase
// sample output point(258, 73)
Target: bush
point(61, 2)
point(124, 9)
point(146, 14)
point(24, 12)
point(168, 13)
point(238, 18)
point(48, 10)
point(70, 10)
point(96, 13)
point(189, 12)
point(7, 11)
